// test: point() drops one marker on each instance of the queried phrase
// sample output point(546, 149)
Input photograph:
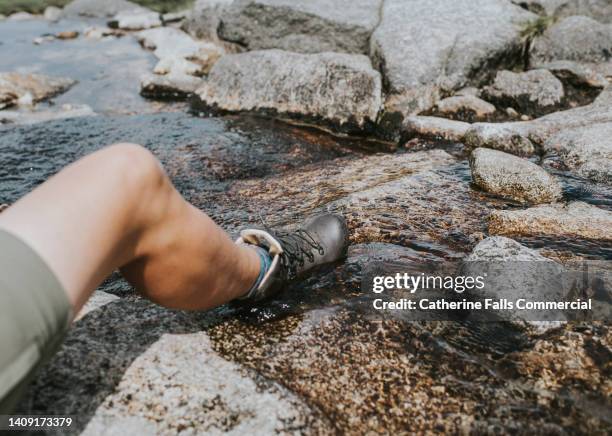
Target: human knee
point(136, 167)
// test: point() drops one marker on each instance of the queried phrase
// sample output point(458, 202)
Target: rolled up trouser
point(34, 316)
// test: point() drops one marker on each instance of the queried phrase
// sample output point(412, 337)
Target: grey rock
point(509, 137)
point(42, 115)
point(173, 86)
point(586, 150)
point(135, 20)
point(52, 13)
point(434, 127)
point(175, 17)
point(522, 138)
point(574, 220)
point(304, 26)
point(100, 9)
point(514, 271)
point(465, 104)
point(96, 301)
point(532, 92)
point(338, 89)
point(133, 363)
point(580, 74)
point(502, 249)
point(424, 47)
point(579, 39)
point(16, 88)
point(513, 177)
point(22, 16)
point(601, 10)
point(203, 20)
point(179, 53)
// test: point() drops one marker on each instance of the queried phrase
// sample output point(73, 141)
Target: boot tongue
point(262, 238)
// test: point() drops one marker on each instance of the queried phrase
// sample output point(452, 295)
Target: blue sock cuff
point(265, 262)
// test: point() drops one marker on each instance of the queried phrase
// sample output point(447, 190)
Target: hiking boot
point(319, 240)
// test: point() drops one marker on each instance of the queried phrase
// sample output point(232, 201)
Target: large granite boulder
point(513, 177)
point(305, 26)
point(533, 92)
point(574, 220)
point(100, 9)
point(601, 10)
point(342, 90)
point(423, 47)
point(579, 39)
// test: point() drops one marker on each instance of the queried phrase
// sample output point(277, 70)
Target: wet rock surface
point(339, 89)
point(576, 219)
point(533, 92)
point(424, 47)
point(513, 177)
point(27, 89)
point(303, 26)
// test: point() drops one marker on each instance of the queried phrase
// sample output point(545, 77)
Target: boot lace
point(297, 246)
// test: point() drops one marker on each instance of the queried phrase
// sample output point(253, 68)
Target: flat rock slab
point(100, 9)
point(465, 106)
point(422, 47)
point(574, 220)
point(534, 92)
point(579, 39)
point(509, 176)
point(435, 127)
point(303, 26)
point(16, 88)
point(341, 90)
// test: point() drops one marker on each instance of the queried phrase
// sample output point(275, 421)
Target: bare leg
point(117, 209)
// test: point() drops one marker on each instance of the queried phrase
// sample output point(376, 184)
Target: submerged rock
point(423, 47)
point(303, 26)
point(100, 9)
point(338, 89)
point(533, 92)
point(16, 88)
point(513, 177)
point(42, 115)
point(465, 106)
point(574, 220)
point(135, 20)
point(579, 39)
